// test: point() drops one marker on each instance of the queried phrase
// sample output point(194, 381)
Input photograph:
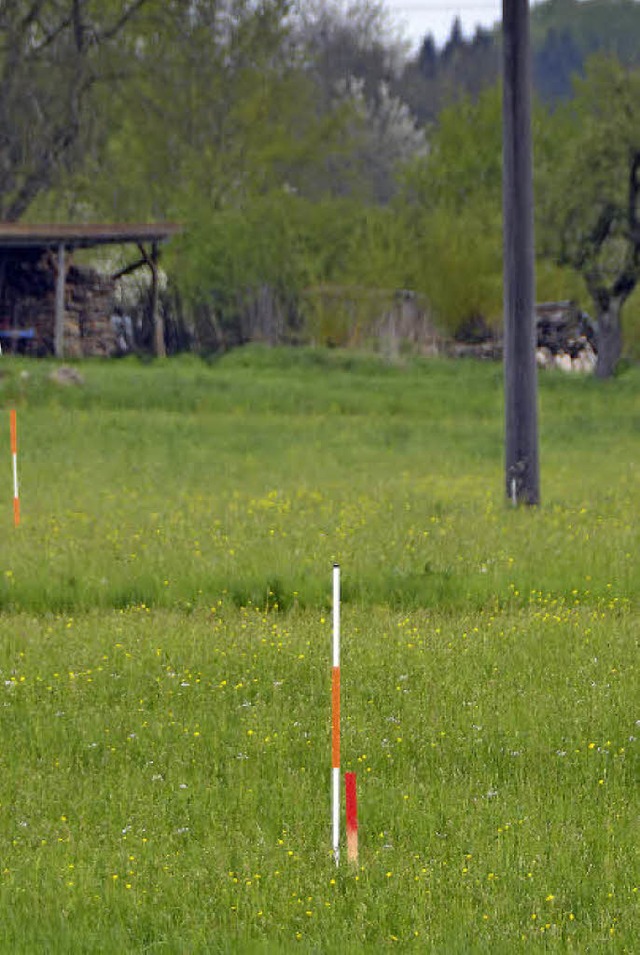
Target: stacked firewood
point(28, 301)
point(88, 308)
point(566, 337)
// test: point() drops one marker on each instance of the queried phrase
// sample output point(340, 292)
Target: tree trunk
point(609, 337)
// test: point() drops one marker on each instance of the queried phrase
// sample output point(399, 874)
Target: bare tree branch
point(52, 53)
point(121, 22)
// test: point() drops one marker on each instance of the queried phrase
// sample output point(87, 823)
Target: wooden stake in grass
point(352, 817)
point(14, 458)
point(335, 716)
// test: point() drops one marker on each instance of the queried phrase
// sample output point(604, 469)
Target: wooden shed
point(56, 307)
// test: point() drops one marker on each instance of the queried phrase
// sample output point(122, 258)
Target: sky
point(419, 17)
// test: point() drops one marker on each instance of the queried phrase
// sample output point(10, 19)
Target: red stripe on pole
point(16, 511)
point(14, 432)
point(335, 717)
point(351, 801)
point(352, 816)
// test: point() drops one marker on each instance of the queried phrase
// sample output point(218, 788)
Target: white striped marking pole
point(335, 716)
point(14, 458)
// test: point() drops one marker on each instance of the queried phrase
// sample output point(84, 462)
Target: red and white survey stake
point(352, 817)
point(335, 716)
point(14, 458)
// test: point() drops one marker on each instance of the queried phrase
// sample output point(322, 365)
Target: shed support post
point(156, 315)
point(58, 331)
point(157, 320)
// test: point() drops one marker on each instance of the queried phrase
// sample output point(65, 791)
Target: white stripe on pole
point(335, 716)
point(14, 456)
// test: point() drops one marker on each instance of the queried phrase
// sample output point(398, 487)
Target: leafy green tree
point(381, 252)
point(246, 271)
point(452, 204)
point(589, 195)
point(229, 120)
point(202, 118)
point(225, 101)
point(54, 54)
point(609, 27)
point(464, 160)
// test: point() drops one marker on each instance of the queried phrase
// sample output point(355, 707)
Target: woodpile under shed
point(27, 302)
point(51, 305)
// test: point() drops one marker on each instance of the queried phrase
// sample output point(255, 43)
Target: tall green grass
point(173, 485)
point(165, 660)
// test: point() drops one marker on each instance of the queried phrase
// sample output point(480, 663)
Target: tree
point(203, 116)
point(224, 101)
point(53, 54)
point(555, 63)
point(456, 42)
point(427, 59)
point(451, 201)
point(354, 60)
point(589, 195)
point(230, 120)
point(437, 79)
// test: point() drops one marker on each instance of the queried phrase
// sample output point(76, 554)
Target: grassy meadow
point(165, 654)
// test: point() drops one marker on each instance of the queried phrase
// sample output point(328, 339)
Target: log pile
point(88, 307)
point(566, 337)
point(28, 301)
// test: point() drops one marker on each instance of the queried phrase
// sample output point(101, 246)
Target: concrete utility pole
point(521, 413)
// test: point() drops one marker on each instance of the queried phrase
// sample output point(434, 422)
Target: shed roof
point(20, 235)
